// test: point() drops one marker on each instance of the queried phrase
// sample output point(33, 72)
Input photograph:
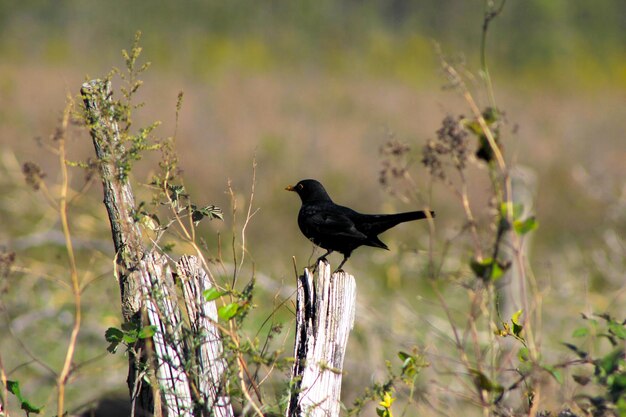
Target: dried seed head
point(33, 174)
point(394, 163)
point(451, 142)
point(7, 259)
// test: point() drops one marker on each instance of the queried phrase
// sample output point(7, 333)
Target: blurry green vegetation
point(315, 89)
point(538, 41)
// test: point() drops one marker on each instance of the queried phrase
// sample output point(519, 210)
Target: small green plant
point(466, 150)
point(412, 365)
point(127, 335)
point(14, 388)
point(602, 372)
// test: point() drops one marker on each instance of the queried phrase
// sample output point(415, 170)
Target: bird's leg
point(345, 258)
point(323, 257)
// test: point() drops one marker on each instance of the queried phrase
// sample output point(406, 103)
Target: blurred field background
point(313, 89)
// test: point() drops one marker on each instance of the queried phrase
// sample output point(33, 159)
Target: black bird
point(339, 228)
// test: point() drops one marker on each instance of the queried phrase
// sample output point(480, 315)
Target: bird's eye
point(300, 186)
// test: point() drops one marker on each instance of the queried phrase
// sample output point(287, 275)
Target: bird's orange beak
point(290, 188)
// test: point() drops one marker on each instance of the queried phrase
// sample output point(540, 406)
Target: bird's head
point(310, 190)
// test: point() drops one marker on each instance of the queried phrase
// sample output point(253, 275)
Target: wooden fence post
point(324, 317)
point(208, 354)
point(149, 296)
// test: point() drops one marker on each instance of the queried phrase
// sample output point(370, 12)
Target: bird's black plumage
point(338, 228)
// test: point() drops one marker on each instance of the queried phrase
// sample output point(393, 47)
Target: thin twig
point(63, 212)
point(490, 14)
point(249, 215)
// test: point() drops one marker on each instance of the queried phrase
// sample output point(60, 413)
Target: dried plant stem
point(526, 273)
point(3, 389)
point(63, 213)
point(457, 339)
point(508, 197)
point(490, 14)
point(470, 217)
point(249, 215)
point(242, 367)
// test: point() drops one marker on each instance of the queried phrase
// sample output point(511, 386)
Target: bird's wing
point(336, 224)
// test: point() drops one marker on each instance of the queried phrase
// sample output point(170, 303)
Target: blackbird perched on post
point(339, 228)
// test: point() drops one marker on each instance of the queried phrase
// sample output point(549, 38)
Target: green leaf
point(150, 221)
point(618, 329)
point(581, 379)
point(490, 115)
point(523, 354)
point(581, 353)
point(411, 364)
point(14, 388)
point(408, 364)
point(580, 332)
point(619, 382)
point(114, 336)
point(515, 317)
point(211, 211)
point(556, 374)
point(147, 332)
point(196, 216)
point(480, 267)
point(525, 368)
point(487, 269)
point(176, 191)
point(228, 311)
point(517, 327)
point(473, 126)
point(518, 209)
point(130, 337)
point(610, 363)
point(212, 294)
point(484, 383)
point(485, 151)
point(522, 227)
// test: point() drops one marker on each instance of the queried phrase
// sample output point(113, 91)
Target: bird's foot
point(345, 259)
point(317, 262)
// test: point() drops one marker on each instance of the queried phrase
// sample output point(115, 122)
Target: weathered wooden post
point(149, 296)
point(208, 354)
point(324, 317)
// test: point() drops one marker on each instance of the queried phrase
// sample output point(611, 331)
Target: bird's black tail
point(412, 215)
point(378, 223)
